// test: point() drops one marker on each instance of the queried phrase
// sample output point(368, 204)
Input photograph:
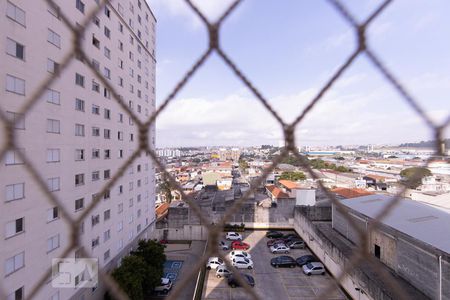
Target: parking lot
point(270, 282)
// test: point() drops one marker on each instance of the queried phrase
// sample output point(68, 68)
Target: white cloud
point(212, 9)
point(340, 118)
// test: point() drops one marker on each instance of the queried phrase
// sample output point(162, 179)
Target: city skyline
point(361, 108)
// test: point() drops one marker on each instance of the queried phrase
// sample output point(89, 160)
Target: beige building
point(76, 136)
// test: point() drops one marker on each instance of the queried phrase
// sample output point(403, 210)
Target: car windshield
point(220, 260)
point(309, 266)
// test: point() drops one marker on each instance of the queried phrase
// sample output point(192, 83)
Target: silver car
point(165, 286)
point(222, 271)
point(314, 268)
point(279, 248)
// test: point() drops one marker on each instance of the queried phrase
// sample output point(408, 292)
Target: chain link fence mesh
point(215, 230)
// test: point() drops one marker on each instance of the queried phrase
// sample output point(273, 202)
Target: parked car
point(164, 286)
point(222, 271)
point(303, 260)
point(240, 253)
point(232, 281)
point(279, 248)
point(296, 244)
point(242, 263)
point(224, 246)
point(239, 245)
point(291, 236)
point(233, 236)
point(272, 242)
point(274, 234)
point(214, 262)
point(283, 261)
point(314, 268)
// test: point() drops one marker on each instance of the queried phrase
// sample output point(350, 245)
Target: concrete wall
point(413, 260)
point(335, 252)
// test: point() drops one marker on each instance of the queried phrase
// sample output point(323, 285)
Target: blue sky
point(289, 49)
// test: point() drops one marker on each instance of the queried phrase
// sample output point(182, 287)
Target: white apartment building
point(76, 136)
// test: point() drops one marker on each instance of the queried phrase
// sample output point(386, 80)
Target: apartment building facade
point(76, 136)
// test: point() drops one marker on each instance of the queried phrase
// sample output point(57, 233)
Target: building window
point(106, 174)
point(15, 85)
point(15, 191)
point(79, 179)
point(120, 153)
point(18, 120)
point(107, 32)
point(107, 133)
point(96, 21)
point(17, 295)
point(53, 97)
point(14, 227)
point(54, 38)
point(95, 153)
point(95, 109)
point(107, 73)
point(53, 155)
point(121, 27)
point(107, 195)
point(120, 135)
point(52, 214)
point(79, 104)
point(80, 6)
point(130, 202)
point(79, 154)
point(15, 13)
point(95, 242)
point(120, 225)
point(95, 220)
point(53, 126)
point(107, 114)
point(121, 81)
point(106, 93)
point(95, 42)
point(53, 243)
point(53, 184)
point(107, 52)
point(79, 204)
point(52, 66)
point(120, 46)
point(14, 263)
point(79, 79)
point(79, 130)
point(15, 49)
point(107, 154)
point(377, 251)
point(95, 131)
point(95, 175)
point(95, 86)
point(120, 118)
point(107, 12)
point(96, 64)
point(106, 255)
point(106, 215)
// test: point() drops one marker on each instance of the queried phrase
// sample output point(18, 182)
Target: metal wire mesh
point(363, 48)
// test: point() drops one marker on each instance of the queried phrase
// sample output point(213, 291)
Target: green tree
point(153, 254)
point(166, 189)
point(412, 177)
point(131, 276)
point(294, 176)
point(243, 164)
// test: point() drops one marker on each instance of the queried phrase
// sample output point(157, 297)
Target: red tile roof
point(289, 184)
point(276, 192)
point(351, 193)
point(161, 210)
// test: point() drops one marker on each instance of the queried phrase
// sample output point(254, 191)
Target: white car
point(214, 262)
point(222, 271)
point(233, 236)
point(242, 263)
point(165, 286)
point(279, 248)
point(239, 253)
point(314, 268)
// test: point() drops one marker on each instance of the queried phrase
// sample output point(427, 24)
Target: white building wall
point(137, 182)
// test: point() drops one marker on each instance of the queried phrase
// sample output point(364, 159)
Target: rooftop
point(289, 184)
point(351, 193)
point(276, 192)
point(418, 220)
